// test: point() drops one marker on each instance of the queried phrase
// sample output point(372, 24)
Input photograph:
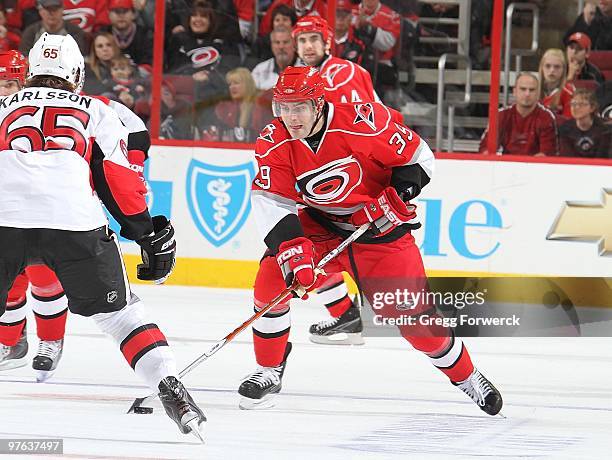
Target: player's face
point(581, 108)
point(552, 68)
point(311, 48)
point(8, 87)
point(576, 53)
point(526, 92)
point(104, 48)
point(298, 117)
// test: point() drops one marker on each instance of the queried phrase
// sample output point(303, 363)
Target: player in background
point(61, 154)
point(352, 164)
point(48, 301)
point(345, 81)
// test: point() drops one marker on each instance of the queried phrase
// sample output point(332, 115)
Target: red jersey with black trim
point(346, 82)
point(87, 14)
point(352, 164)
point(518, 135)
point(61, 154)
point(562, 110)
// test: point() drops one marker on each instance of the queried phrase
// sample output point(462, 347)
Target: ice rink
point(377, 401)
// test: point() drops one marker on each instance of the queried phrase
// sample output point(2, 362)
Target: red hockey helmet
point(312, 24)
point(13, 66)
point(297, 84)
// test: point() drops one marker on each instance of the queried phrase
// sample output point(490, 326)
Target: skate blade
point(13, 364)
point(342, 338)
point(256, 404)
point(43, 376)
point(196, 429)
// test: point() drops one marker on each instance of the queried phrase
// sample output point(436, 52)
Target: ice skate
point(259, 388)
point(482, 392)
point(180, 407)
point(46, 360)
point(344, 330)
point(15, 356)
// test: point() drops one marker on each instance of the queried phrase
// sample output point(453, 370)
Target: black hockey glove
point(158, 252)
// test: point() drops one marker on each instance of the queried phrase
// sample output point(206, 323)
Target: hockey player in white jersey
point(61, 154)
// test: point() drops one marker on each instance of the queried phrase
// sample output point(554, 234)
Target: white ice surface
point(380, 400)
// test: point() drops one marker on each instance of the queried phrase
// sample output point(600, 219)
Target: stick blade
point(137, 403)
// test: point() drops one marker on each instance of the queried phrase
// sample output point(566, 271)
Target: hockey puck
point(143, 410)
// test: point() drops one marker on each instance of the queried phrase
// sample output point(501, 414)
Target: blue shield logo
point(219, 198)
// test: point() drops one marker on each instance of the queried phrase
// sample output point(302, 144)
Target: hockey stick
point(138, 402)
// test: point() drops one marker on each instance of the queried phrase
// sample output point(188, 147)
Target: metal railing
point(451, 105)
point(519, 53)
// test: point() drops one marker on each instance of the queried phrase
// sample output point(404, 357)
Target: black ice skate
point(46, 360)
point(15, 356)
point(482, 392)
point(259, 388)
point(181, 408)
point(345, 330)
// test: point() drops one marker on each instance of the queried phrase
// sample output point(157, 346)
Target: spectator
point(527, 127)
point(176, 113)
point(145, 13)
point(9, 40)
point(134, 41)
point(225, 12)
point(199, 43)
point(604, 99)
point(578, 66)
point(283, 17)
point(89, 15)
point(555, 90)
point(266, 73)
point(301, 7)
point(236, 115)
point(585, 135)
point(97, 66)
point(51, 21)
point(378, 26)
point(596, 22)
point(347, 45)
point(127, 87)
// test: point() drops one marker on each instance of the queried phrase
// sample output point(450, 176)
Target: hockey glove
point(158, 252)
point(296, 261)
point(386, 212)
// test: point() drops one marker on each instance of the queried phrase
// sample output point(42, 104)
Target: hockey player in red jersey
point(63, 153)
point(48, 301)
point(346, 165)
point(344, 80)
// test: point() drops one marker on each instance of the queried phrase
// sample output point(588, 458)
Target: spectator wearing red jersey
point(89, 15)
point(302, 8)
point(378, 26)
point(527, 127)
point(9, 40)
point(346, 44)
point(556, 92)
point(585, 135)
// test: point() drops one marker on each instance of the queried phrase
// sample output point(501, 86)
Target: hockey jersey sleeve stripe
point(123, 194)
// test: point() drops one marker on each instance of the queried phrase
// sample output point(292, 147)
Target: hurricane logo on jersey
point(334, 75)
point(332, 182)
point(365, 114)
point(218, 198)
point(203, 57)
point(266, 133)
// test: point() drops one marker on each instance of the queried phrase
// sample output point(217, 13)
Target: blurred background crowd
point(222, 57)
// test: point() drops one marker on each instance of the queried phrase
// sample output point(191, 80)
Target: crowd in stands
point(221, 60)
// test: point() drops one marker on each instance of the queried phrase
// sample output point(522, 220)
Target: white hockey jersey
point(60, 154)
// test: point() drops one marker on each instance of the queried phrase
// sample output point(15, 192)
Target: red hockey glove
point(385, 212)
point(296, 261)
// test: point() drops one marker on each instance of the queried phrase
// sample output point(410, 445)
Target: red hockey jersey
point(361, 145)
point(346, 82)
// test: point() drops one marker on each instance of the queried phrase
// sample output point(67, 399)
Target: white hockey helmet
point(60, 56)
